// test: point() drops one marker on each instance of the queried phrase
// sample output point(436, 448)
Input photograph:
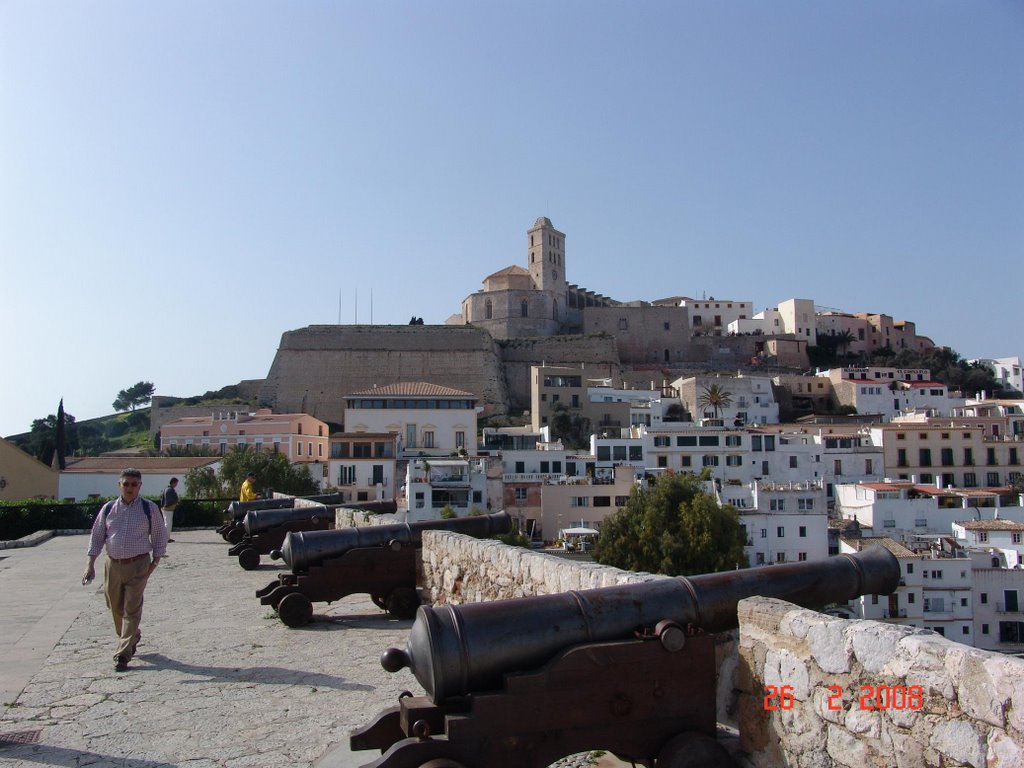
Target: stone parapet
point(461, 569)
point(818, 691)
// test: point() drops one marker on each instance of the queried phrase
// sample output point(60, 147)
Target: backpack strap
point(105, 510)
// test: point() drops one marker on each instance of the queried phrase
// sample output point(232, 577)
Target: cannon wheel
point(694, 750)
point(402, 603)
point(234, 535)
point(295, 610)
point(249, 559)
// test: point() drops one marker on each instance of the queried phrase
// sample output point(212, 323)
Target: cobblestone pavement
point(218, 680)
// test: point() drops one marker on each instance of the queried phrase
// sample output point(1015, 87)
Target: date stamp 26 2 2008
point(871, 697)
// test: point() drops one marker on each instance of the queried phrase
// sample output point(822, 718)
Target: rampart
point(807, 690)
point(315, 367)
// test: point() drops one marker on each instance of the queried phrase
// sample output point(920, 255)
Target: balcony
point(899, 613)
point(1001, 608)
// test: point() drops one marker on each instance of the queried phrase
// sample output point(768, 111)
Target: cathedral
point(536, 301)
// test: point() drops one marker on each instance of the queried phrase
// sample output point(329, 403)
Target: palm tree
point(716, 397)
point(844, 339)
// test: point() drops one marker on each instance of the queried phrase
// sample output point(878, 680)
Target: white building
point(362, 466)
point(745, 399)
point(1007, 371)
point(97, 476)
point(999, 598)
point(789, 523)
point(429, 420)
point(1003, 539)
point(433, 484)
point(907, 511)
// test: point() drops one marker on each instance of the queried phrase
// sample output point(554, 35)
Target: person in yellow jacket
point(248, 492)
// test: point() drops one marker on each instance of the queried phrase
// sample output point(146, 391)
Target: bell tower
point(547, 258)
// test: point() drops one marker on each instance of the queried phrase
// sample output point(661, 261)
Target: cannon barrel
point(457, 650)
point(237, 509)
point(308, 548)
point(259, 520)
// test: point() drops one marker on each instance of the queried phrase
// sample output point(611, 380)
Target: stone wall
point(316, 367)
point(971, 711)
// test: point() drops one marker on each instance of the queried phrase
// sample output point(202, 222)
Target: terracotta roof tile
point(152, 464)
point(412, 389)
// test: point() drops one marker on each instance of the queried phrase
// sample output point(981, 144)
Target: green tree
point(60, 439)
point(571, 428)
point(134, 396)
point(715, 396)
point(203, 483)
point(672, 527)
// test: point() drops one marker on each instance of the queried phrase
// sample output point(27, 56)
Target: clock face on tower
point(223, 427)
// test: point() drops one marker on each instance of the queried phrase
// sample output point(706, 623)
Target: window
point(992, 479)
point(947, 457)
point(991, 457)
point(925, 457)
point(780, 557)
point(428, 438)
point(968, 457)
point(970, 480)
point(346, 475)
point(984, 598)
point(623, 324)
point(802, 557)
point(777, 505)
point(780, 531)
point(803, 531)
point(580, 501)
point(1016, 538)
point(602, 501)
point(524, 308)
point(621, 501)
point(984, 629)
point(805, 505)
point(662, 441)
point(792, 462)
point(710, 461)
point(520, 467)
point(901, 457)
point(764, 533)
point(733, 461)
point(488, 310)
point(685, 461)
point(298, 447)
point(686, 440)
point(733, 441)
point(983, 536)
point(460, 439)
point(663, 460)
point(869, 467)
point(520, 496)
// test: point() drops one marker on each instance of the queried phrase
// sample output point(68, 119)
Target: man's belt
point(130, 559)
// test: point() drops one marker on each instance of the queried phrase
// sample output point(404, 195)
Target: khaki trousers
point(123, 586)
point(169, 519)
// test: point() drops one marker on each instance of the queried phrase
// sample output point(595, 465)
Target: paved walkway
point(218, 680)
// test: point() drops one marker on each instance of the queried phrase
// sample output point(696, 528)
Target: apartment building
point(740, 399)
point(1003, 540)
point(587, 392)
point(940, 452)
point(935, 591)
point(714, 316)
point(433, 484)
point(363, 466)
point(889, 392)
point(788, 523)
point(998, 603)
point(299, 436)
point(1007, 371)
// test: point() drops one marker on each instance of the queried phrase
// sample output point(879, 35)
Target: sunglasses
point(130, 483)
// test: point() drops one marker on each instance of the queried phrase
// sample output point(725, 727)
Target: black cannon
point(232, 530)
point(377, 559)
point(265, 529)
point(631, 669)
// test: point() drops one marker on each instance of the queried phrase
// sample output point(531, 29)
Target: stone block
point(959, 741)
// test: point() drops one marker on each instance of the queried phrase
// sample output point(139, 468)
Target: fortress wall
point(517, 355)
point(315, 367)
point(643, 334)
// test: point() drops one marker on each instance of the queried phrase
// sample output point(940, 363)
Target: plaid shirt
point(127, 531)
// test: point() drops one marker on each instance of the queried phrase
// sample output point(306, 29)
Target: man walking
point(130, 530)
point(168, 501)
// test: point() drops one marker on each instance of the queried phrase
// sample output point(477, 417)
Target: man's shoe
point(170, 540)
point(120, 664)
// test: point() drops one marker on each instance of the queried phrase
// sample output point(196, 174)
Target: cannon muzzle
point(303, 549)
point(457, 650)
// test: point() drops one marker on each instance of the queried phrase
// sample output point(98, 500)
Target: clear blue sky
point(180, 183)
